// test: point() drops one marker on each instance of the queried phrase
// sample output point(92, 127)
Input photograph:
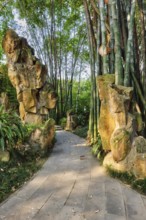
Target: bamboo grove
point(60, 30)
point(56, 29)
point(117, 44)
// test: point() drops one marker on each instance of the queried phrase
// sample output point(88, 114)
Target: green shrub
point(97, 149)
point(11, 129)
point(82, 120)
point(62, 122)
point(140, 185)
point(81, 131)
point(29, 128)
point(17, 171)
point(129, 178)
point(124, 176)
point(6, 87)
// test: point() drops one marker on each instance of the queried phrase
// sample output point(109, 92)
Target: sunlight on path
point(73, 186)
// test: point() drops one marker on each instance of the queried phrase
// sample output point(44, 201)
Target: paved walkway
point(73, 186)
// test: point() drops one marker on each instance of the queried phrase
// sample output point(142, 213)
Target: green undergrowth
point(16, 172)
point(81, 131)
point(62, 122)
point(97, 149)
point(130, 179)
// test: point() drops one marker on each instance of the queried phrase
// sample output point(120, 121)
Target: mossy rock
point(120, 144)
point(41, 138)
point(139, 122)
point(48, 125)
point(107, 78)
point(140, 144)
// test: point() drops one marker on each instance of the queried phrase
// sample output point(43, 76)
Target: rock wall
point(119, 127)
point(36, 97)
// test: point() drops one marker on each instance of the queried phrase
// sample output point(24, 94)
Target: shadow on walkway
point(73, 186)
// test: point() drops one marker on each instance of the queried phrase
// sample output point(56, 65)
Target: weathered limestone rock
point(127, 149)
point(140, 144)
point(120, 144)
point(71, 122)
point(106, 124)
point(116, 125)
point(119, 101)
point(125, 165)
point(139, 166)
point(31, 118)
point(135, 160)
point(139, 161)
point(110, 162)
point(28, 76)
point(29, 100)
point(41, 138)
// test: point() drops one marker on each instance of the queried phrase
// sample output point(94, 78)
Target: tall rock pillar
point(35, 95)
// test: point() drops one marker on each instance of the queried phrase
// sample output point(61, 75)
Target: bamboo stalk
point(129, 44)
point(118, 56)
point(112, 40)
point(103, 37)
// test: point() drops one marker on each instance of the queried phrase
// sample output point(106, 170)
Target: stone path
point(73, 186)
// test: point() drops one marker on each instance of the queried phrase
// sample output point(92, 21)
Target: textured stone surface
point(139, 166)
point(125, 165)
point(119, 126)
point(139, 161)
point(119, 102)
point(71, 122)
point(28, 76)
point(140, 144)
point(106, 124)
point(42, 137)
point(110, 162)
point(120, 144)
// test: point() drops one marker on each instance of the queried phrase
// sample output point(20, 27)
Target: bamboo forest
point(75, 66)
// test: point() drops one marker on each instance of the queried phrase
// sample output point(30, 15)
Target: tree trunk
point(103, 37)
point(118, 55)
point(129, 45)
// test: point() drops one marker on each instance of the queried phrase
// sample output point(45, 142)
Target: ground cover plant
point(97, 149)
point(130, 179)
point(16, 172)
point(24, 160)
point(81, 131)
point(11, 129)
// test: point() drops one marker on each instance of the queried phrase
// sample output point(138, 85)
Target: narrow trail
point(73, 186)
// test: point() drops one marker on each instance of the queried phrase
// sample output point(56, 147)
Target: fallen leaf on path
point(82, 157)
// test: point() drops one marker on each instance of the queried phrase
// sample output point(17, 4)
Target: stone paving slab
point(73, 186)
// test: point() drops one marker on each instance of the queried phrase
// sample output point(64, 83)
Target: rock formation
point(42, 138)
point(29, 77)
point(106, 121)
point(71, 122)
point(119, 127)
